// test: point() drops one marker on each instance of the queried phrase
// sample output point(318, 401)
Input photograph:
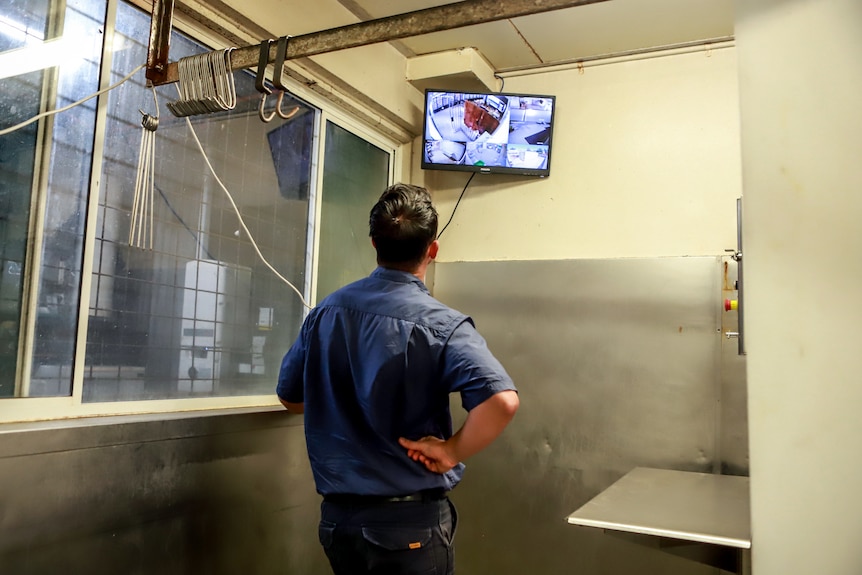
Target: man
point(372, 369)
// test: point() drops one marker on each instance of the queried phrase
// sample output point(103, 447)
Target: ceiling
point(585, 32)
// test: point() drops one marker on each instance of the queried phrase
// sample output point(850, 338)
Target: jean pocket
point(449, 526)
point(397, 539)
point(326, 532)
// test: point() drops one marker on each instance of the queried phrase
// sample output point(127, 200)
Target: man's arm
point(483, 425)
point(293, 407)
point(290, 377)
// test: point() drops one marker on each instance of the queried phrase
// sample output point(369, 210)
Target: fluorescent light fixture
point(47, 54)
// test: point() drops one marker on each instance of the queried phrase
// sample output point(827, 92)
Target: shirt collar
point(398, 276)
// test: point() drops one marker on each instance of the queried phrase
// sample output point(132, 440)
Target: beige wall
point(800, 81)
point(646, 162)
point(378, 71)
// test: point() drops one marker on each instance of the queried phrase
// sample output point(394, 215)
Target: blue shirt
point(375, 361)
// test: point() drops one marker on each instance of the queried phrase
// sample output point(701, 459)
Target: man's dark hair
point(403, 223)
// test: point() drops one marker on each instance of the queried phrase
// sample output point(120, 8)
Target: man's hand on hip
point(437, 455)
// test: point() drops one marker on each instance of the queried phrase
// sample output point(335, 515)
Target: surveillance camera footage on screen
point(488, 133)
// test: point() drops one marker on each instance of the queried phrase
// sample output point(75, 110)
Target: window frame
point(29, 409)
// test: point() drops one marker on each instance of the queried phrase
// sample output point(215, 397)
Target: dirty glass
point(198, 314)
point(355, 173)
point(52, 58)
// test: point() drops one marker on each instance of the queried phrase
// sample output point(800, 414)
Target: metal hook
point(280, 55)
point(148, 122)
point(260, 81)
point(263, 116)
point(263, 59)
point(288, 115)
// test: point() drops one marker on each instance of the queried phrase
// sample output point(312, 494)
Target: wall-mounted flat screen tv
point(489, 133)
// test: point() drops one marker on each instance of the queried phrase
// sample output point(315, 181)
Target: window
point(199, 315)
point(352, 182)
point(69, 42)
point(21, 23)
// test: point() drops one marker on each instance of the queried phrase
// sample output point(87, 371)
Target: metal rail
point(446, 17)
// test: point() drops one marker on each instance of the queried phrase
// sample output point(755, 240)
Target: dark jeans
point(392, 538)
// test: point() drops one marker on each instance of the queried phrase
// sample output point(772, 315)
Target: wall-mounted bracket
point(160, 42)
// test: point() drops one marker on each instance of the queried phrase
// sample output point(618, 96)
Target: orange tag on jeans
point(416, 545)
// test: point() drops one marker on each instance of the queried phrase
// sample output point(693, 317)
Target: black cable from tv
point(456, 205)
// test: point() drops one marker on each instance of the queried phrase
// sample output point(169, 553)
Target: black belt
point(353, 499)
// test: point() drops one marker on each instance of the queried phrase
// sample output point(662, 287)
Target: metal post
point(160, 42)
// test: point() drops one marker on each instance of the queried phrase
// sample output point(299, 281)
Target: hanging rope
point(141, 229)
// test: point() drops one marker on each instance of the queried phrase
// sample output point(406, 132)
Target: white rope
point(70, 106)
point(241, 221)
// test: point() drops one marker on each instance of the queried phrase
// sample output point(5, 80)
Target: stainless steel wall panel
point(617, 365)
point(199, 494)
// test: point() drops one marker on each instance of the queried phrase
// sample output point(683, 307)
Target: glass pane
point(355, 173)
point(199, 314)
point(66, 208)
point(22, 23)
point(54, 57)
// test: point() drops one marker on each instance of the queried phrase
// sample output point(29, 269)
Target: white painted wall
point(378, 71)
point(800, 65)
point(646, 163)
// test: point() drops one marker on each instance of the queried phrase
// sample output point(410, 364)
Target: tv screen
point(489, 133)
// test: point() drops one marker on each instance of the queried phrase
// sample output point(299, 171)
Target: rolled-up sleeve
point(470, 368)
point(290, 376)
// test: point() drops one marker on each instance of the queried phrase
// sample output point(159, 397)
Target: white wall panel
point(800, 81)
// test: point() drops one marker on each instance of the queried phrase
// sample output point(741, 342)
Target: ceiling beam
point(437, 19)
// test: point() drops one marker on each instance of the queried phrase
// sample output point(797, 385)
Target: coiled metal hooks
point(141, 225)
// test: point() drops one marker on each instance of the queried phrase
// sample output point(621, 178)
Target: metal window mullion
point(315, 203)
point(318, 141)
point(93, 203)
point(35, 235)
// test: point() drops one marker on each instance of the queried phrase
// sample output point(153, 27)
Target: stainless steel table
point(682, 506)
